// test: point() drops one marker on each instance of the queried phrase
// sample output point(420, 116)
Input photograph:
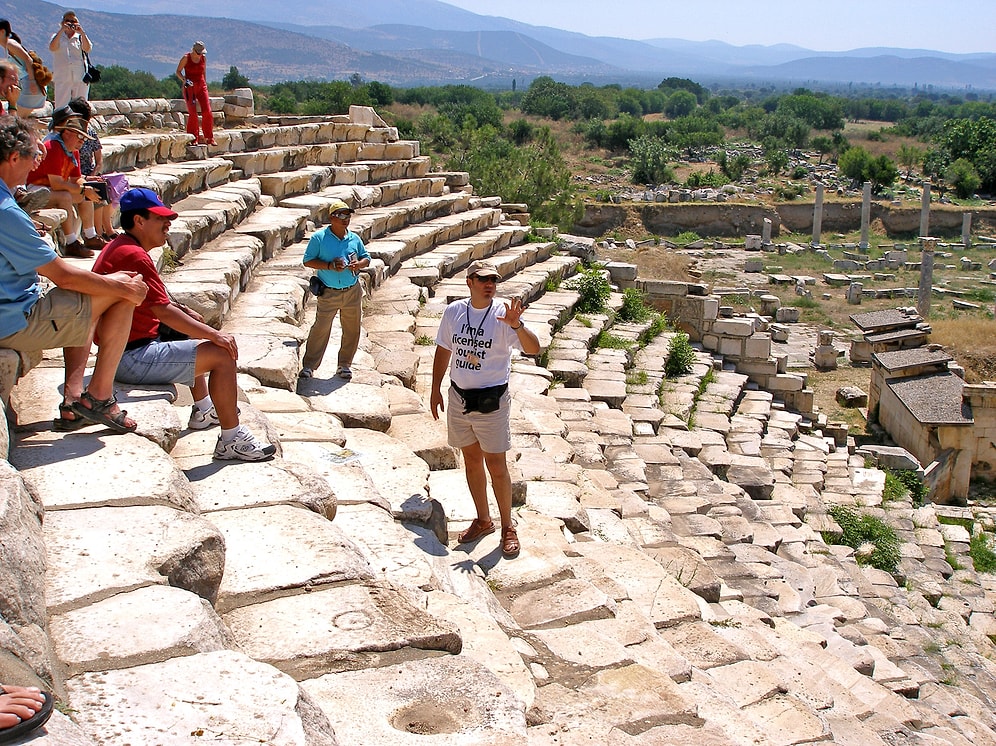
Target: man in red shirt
point(206, 363)
point(60, 172)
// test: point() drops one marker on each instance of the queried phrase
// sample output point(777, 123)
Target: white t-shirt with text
point(480, 345)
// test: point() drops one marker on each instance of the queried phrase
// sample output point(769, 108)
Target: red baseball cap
point(145, 199)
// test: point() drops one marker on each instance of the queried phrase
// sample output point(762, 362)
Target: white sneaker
point(244, 446)
point(202, 420)
point(306, 373)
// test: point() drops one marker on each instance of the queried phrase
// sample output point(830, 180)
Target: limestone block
point(50, 463)
point(22, 552)
point(146, 625)
point(279, 548)
point(340, 629)
point(560, 500)
point(128, 548)
point(453, 698)
point(223, 692)
point(734, 327)
point(561, 604)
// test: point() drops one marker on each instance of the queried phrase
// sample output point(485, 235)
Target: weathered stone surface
point(86, 470)
point(558, 500)
point(344, 628)
point(22, 552)
point(276, 482)
point(147, 625)
point(658, 595)
point(219, 695)
point(563, 603)
point(453, 699)
point(633, 699)
point(273, 550)
point(128, 548)
point(356, 405)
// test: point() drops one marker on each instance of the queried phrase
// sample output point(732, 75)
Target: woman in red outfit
point(191, 72)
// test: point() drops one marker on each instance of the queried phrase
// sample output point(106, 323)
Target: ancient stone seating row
point(139, 150)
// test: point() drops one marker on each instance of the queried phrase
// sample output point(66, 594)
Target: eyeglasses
point(487, 279)
point(342, 215)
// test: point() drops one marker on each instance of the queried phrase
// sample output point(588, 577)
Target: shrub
point(680, 356)
point(650, 160)
point(874, 542)
point(607, 340)
point(594, 289)
point(963, 178)
point(914, 485)
point(687, 237)
point(980, 549)
point(634, 308)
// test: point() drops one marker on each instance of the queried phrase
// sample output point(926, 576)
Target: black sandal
point(98, 412)
point(19, 731)
point(65, 424)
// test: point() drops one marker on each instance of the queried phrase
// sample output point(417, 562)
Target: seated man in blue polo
point(206, 362)
point(338, 255)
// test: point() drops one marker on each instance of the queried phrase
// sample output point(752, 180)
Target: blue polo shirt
point(326, 246)
point(22, 252)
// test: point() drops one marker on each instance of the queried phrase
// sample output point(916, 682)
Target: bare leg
point(477, 480)
point(221, 383)
point(501, 483)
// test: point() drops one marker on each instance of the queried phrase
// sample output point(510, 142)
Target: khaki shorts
point(60, 318)
point(492, 430)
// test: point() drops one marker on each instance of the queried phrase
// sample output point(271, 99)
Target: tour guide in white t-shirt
point(475, 341)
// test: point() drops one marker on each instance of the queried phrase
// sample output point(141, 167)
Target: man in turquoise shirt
point(338, 255)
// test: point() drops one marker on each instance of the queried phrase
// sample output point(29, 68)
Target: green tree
point(234, 79)
point(680, 104)
point(649, 162)
point(823, 145)
point(909, 157)
point(963, 178)
point(859, 165)
point(548, 98)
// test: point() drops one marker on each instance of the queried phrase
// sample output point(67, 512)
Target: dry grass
point(972, 342)
point(655, 263)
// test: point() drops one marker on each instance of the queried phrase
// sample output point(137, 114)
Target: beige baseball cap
point(483, 268)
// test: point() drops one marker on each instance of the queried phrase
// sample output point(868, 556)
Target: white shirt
point(480, 345)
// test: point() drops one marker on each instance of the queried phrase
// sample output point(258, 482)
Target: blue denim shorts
point(160, 363)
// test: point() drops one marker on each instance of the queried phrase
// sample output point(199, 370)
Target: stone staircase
point(673, 586)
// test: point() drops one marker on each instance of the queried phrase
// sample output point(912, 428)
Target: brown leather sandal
point(476, 531)
point(509, 542)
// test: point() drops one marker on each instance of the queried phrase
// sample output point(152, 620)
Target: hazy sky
point(829, 25)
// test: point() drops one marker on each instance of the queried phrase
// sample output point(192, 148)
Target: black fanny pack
point(484, 400)
point(316, 286)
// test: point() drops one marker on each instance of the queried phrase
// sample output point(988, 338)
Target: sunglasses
point(342, 215)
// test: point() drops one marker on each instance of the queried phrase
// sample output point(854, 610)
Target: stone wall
point(744, 341)
point(232, 109)
point(737, 220)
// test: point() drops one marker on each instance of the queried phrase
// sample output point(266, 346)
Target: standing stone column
point(926, 276)
point(925, 210)
point(817, 216)
point(766, 233)
point(866, 208)
point(966, 229)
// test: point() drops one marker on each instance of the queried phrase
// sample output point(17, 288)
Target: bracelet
point(516, 328)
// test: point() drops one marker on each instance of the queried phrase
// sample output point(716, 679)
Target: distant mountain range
point(427, 42)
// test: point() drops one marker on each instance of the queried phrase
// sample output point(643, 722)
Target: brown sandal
point(476, 531)
point(509, 542)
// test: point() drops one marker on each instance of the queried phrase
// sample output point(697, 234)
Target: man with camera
point(475, 341)
point(68, 46)
point(337, 254)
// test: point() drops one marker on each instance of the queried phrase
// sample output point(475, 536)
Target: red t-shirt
point(56, 162)
point(123, 254)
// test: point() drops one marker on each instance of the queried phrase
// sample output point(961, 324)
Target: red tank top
point(195, 70)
